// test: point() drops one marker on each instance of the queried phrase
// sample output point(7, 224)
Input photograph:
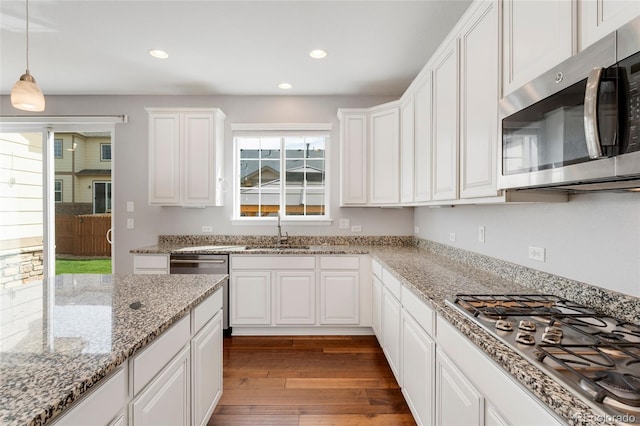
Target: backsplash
point(606, 301)
point(196, 240)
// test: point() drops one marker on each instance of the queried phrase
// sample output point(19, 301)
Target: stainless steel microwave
point(578, 125)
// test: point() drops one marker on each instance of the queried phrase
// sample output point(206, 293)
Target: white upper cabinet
point(445, 124)
point(186, 156)
point(353, 157)
point(384, 176)
point(479, 68)
point(597, 18)
point(422, 102)
point(370, 155)
point(537, 35)
point(407, 151)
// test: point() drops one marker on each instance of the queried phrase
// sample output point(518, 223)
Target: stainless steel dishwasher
point(205, 264)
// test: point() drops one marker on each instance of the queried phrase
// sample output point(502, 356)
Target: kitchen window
point(281, 173)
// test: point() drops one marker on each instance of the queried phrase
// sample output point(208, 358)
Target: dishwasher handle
point(215, 261)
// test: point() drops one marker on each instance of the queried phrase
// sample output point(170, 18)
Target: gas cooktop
point(596, 355)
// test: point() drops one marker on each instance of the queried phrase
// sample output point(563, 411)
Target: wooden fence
point(83, 235)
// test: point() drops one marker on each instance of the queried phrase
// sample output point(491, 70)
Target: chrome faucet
point(282, 239)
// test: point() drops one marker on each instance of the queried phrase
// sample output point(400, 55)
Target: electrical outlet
point(452, 236)
point(356, 228)
point(416, 230)
point(345, 223)
point(537, 253)
point(130, 223)
point(481, 233)
point(207, 229)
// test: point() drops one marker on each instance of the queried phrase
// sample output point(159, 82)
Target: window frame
point(281, 131)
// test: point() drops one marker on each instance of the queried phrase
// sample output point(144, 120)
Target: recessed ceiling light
point(318, 53)
point(157, 53)
point(285, 86)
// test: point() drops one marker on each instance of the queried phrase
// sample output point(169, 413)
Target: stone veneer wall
point(19, 266)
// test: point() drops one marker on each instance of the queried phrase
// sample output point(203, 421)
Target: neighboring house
point(82, 173)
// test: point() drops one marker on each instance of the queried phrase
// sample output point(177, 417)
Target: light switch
point(129, 206)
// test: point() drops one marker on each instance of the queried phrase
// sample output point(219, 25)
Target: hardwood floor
point(308, 381)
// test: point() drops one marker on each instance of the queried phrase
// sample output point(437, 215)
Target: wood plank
point(358, 420)
point(275, 420)
point(341, 383)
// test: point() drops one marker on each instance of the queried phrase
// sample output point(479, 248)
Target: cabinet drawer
point(376, 268)
point(424, 315)
point(339, 262)
point(152, 359)
point(206, 310)
point(273, 262)
point(392, 283)
point(102, 405)
point(150, 262)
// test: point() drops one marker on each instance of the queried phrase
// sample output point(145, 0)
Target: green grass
point(91, 266)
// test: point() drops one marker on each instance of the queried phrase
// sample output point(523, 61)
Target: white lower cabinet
point(376, 313)
point(418, 357)
point(206, 359)
point(151, 264)
point(466, 377)
point(297, 294)
point(250, 298)
point(295, 298)
point(457, 401)
point(391, 331)
point(166, 400)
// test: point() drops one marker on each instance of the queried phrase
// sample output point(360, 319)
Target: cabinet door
point(295, 297)
point(423, 132)
point(418, 366)
point(206, 367)
point(384, 129)
point(166, 400)
point(391, 331)
point(198, 164)
point(377, 309)
point(537, 35)
point(457, 402)
point(353, 147)
point(478, 104)
point(340, 297)
point(445, 125)
point(407, 154)
point(250, 298)
point(597, 18)
point(164, 159)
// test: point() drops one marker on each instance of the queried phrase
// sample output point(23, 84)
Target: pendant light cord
point(27, 3)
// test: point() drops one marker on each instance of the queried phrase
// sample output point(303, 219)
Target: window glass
point(57, 190)
point(265, 187)
point(57, 148)
point(105, 152)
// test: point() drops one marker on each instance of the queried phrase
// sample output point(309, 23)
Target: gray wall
point(594, 238)
point(131, 169)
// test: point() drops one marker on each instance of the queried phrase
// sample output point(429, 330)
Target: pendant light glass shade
point(26, 95)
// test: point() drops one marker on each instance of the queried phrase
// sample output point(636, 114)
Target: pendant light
point(26, 95)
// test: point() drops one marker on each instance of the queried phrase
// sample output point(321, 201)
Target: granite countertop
point(436, 273)
point(61, 336)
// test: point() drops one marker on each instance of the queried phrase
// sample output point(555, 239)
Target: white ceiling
point(96, 47)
